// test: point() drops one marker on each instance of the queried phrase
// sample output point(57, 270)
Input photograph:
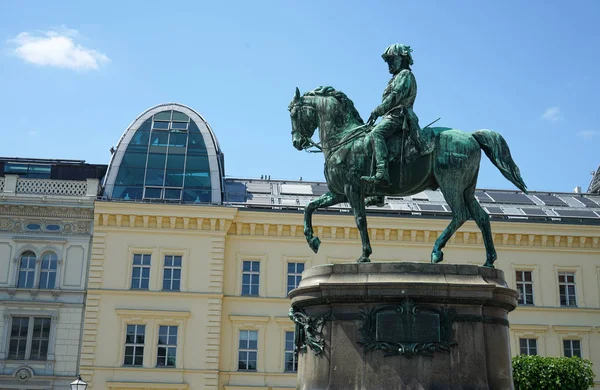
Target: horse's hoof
point(436, 258)
point(363, 259)
point(314, 244)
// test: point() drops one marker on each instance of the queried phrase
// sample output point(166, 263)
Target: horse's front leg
point(357, 202)
point(325, 200)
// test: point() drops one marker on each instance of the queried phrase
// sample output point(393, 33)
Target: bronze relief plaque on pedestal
point(407, 329)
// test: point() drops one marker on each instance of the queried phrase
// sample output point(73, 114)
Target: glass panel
point(180, 116)
point(196, 196)
point(159, 138)
point(163, 116)
point(197, 179)
point(155, 177)
point(196, 141)
point(39, 171)
point(16, 169)
point(130, 177)
point(175, 162)
point(174, 178)
point(246, 266)
point(179, 125)
point(160, 126)
point(197, 164)
point(134, 159)
point(139, 142)
point(177, 261)
point(255, 266)
point(156, 160)
point(178, 141)
point(139, 356)
point(172, 194)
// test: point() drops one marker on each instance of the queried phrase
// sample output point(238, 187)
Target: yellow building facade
point(223, 324)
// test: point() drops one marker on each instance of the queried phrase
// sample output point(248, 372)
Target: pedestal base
point(403, 326)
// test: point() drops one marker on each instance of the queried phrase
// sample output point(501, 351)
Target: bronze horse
point(452, 166)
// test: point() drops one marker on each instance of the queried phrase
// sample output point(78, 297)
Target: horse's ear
point(297, 96)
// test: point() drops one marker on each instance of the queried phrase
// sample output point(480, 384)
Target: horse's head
point(304, 121)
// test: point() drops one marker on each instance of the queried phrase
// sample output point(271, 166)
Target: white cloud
point(56, 48)
point(552, 114)
point(587, 134)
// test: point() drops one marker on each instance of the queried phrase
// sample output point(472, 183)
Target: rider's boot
point(381, 175)
point(381, 156)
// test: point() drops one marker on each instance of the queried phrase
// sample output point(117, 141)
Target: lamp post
point(78, 384)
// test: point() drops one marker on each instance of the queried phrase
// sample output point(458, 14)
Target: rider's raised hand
point(372, 118)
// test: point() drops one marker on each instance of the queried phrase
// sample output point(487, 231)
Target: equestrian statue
point(366, 161)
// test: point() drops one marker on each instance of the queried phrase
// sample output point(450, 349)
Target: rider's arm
point(400, 87)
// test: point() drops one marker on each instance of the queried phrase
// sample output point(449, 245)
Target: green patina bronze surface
point(308, 332)
point(364, 162)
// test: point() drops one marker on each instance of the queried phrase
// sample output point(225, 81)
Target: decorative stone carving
point(49, 212)
point(6, 224)
point(24, 374)
point(33, 292)
point(11, 292)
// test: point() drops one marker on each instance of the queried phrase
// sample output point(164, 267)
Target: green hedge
point(552, 373)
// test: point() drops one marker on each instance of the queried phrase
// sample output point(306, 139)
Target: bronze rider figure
point(396, 108)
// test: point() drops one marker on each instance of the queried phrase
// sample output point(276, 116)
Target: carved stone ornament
point(24, 374)
point(308, 332)
point(407, 329)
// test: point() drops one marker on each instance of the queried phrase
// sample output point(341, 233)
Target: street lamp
point(78, 384)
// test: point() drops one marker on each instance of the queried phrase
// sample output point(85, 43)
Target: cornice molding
point(233, 222)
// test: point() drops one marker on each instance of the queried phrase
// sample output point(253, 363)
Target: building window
point(525, 287)
point(48, 270)
point(291, 359)
point(250, 277)
point(134, 345)
point(26, 270)
point(248, 350)
point(294, 275)
point(566, 285)
point(528, 346)
point(166, 159)
point(172, 273)
point(29, 338)
point(167, 346)
point(140, 276)
point(572, 348)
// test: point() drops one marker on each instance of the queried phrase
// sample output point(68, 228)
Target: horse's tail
point(496, 148)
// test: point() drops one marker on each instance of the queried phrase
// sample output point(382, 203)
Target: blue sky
point(75, 74)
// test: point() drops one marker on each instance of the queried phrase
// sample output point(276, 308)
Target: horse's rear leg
point(325, 200)
point(454, 198)
point(482, 220)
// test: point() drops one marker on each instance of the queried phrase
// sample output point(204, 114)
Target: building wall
point(210, 311)
point(42, 216)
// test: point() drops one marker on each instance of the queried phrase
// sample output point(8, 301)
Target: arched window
point(166, 159)
point(48, 270)
point(26, 270)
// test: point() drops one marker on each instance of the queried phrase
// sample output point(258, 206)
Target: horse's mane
point(347, 104)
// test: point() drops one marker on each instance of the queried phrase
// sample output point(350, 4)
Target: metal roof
point(536, 206)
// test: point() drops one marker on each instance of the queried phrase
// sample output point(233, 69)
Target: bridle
point(306, 141)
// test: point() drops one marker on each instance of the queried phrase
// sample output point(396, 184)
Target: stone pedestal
point(413, 326)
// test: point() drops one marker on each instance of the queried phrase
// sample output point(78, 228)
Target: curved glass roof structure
point(168, 153)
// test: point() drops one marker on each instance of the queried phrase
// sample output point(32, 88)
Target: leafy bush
point(552, 373)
